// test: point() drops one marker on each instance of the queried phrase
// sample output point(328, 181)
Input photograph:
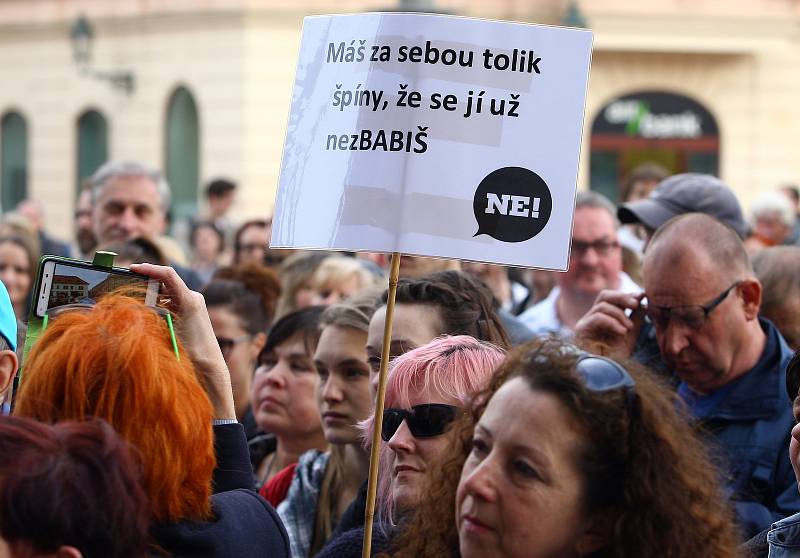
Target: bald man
point(702, 299)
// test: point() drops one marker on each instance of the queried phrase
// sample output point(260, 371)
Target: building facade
point(707, 85)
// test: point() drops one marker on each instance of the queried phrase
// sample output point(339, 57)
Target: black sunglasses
point(424, 421)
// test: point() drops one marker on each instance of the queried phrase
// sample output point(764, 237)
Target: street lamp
point(81, 35)
point(574, 17)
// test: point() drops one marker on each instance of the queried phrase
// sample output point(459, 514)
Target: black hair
point(305, 321)
point(219, 187)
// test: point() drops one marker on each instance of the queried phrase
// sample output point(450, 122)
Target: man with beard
point(595, 264)
point(703, 300)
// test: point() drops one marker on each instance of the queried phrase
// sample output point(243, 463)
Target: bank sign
point(655, 115)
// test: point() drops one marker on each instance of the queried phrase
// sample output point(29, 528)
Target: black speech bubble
point(513, 226)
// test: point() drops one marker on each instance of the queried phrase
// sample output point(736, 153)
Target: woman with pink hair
point(427, 392)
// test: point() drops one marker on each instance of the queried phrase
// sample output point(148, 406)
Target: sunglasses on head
point(424, 421)
point(603, 374)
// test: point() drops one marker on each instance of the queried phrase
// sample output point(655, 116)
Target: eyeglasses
point(601, 247)
point(692, 316)
point(424, 421)
point(226, 344)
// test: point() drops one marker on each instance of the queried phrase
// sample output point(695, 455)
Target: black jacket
point(244, 524)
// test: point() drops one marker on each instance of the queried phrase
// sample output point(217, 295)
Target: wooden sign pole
point(372, 486)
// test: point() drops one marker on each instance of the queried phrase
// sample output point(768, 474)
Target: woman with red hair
point(117, 362)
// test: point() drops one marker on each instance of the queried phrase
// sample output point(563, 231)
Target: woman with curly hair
point(573, 455)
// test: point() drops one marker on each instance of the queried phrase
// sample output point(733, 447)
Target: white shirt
point(542, 317)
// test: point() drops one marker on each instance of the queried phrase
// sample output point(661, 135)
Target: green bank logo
point(639, 121)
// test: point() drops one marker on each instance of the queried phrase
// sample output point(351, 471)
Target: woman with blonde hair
point(340, 277)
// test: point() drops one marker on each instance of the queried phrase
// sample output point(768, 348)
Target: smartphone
point(63, 282)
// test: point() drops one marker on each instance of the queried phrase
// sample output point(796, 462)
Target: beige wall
point(237, 57)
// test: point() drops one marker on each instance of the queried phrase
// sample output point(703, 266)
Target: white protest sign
point(436, 136)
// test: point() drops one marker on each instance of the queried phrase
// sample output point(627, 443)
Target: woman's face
point(343, 394)
point(284, 390)
point(520, 491)
point(411, 458)
point(304, 295)
point(239, 348)
point(15, 272)
point(207, 244)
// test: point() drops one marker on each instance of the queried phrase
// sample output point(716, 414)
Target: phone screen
point(65, 284)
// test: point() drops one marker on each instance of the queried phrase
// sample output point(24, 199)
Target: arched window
point(13, 159)
point(183, 153)
point(92, 145)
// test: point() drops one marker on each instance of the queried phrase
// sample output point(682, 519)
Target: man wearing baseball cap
point(686, 193)
point(8, 340)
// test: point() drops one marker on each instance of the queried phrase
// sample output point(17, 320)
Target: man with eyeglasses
point(595, 264)
point(702, 304)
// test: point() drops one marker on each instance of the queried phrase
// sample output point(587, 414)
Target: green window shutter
point(183, 153)
point(92, 146)
point(13, 160)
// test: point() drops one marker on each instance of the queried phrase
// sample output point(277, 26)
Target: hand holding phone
point(193, 326)
point(63, 282)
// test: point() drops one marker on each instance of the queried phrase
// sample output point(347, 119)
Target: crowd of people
point(640, 404)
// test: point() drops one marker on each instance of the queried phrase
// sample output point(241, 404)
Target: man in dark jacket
point(703, 300)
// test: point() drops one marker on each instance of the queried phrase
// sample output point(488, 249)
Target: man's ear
point(68, 552)
point(751, 296)
point(8, 367)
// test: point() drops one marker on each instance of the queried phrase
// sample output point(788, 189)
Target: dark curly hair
point(643, 468)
